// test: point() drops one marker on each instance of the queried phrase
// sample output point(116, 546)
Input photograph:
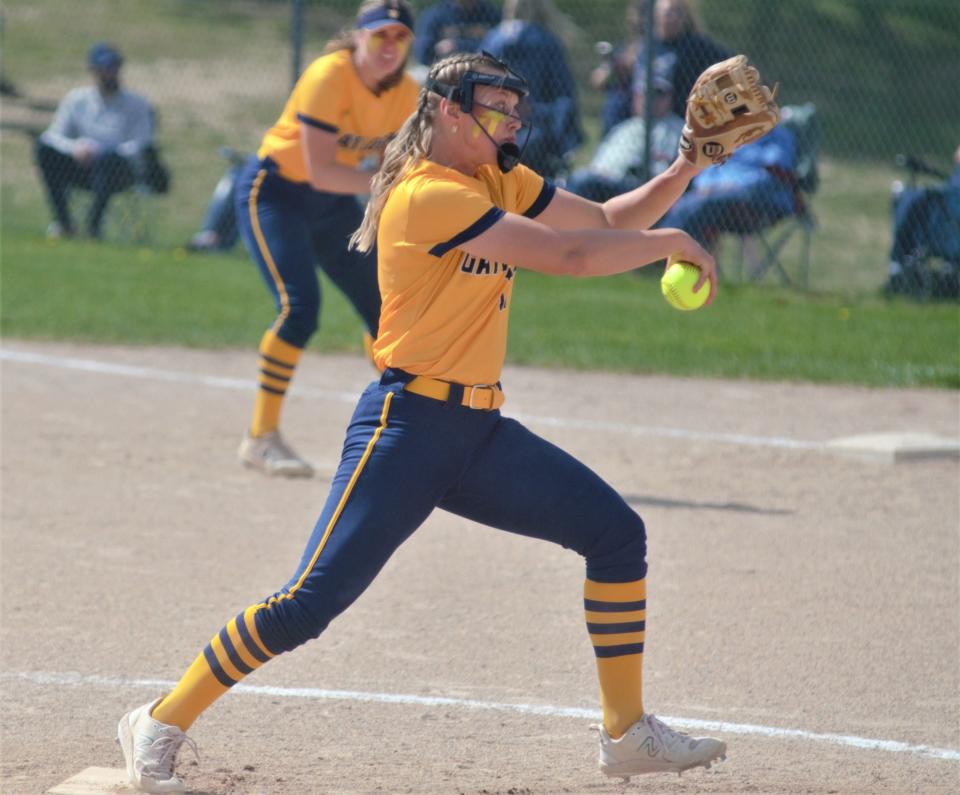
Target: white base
point(94, 781)
point(895, 447)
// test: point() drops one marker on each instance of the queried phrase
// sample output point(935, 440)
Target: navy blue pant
point(103, 176)
point(926, 220)
point(405, 455)
point(296, 229)
point(704, 215)
point(221, 215)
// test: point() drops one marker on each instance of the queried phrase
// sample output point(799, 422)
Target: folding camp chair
point(130, 209)
point(761, 246)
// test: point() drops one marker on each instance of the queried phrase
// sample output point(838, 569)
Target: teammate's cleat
point(150, 750)
point(650, 746)
point(273, 455)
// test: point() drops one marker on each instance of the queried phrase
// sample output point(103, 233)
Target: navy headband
point(463, 92)
point(386, 15)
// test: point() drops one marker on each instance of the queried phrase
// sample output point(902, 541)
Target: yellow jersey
point(444, 311)
point(330, 96)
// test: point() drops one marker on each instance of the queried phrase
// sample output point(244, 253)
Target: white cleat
point(150, 750)
point(271, 454)
point(650, 746)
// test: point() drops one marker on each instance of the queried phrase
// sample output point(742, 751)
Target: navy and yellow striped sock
point(230, 655)
point(278, 359)
point(616, 615)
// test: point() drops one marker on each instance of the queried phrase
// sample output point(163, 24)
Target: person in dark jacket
point(678, 30)
point(926, 223)
point(530, 38)
point(614, 74)
point(453, 26)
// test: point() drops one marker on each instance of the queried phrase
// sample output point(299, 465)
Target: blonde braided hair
point(413, 140)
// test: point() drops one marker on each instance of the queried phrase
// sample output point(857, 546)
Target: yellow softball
point(677, 285)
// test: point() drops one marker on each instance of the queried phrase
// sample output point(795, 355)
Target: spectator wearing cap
point(618, 164)
point(101, 139)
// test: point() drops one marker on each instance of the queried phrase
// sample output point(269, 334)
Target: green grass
point(219, 71)
point(227, 88)
point(750, 331)
point(123, 294)
point(102, 293)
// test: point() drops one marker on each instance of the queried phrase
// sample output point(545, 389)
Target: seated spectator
point(927, 224)
point(453, 26)
point(617, 165)
point(530, 40)
point(614, 74)
point(219, 229)
point(101, 139)
point(753, 189)
point(678, 30)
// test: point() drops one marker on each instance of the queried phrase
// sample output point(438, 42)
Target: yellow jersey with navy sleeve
point(445, 312)
point(331, 96)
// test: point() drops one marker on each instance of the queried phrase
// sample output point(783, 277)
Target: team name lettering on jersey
point(361, 144)
point(478, 266)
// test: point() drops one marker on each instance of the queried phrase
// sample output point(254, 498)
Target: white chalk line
point(129, 371)
point(67, 679)
point(601, 426)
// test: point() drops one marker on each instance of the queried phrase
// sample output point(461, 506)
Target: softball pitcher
point(456, 219)
point(296, 202)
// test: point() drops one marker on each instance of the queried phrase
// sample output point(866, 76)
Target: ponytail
point(411, 143)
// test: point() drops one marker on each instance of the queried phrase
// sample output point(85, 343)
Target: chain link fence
point(853, 194)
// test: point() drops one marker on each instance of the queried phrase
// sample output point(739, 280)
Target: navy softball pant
point(289, 229)
point(405, 455)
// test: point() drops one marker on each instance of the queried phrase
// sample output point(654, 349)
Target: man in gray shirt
point(101, 139)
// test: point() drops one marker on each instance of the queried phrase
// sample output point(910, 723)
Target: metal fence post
point(648, 97)
point(296, 39)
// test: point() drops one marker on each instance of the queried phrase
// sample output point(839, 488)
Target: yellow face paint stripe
point(489, 119)
point(377, 40)
point(340, 505)
point(265, 251)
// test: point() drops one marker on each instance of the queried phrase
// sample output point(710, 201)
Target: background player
point(453, 215)
point(296, 202)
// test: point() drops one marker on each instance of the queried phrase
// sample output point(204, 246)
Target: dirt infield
point(808, 601)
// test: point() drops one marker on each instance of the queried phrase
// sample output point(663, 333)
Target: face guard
point(508, 154)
